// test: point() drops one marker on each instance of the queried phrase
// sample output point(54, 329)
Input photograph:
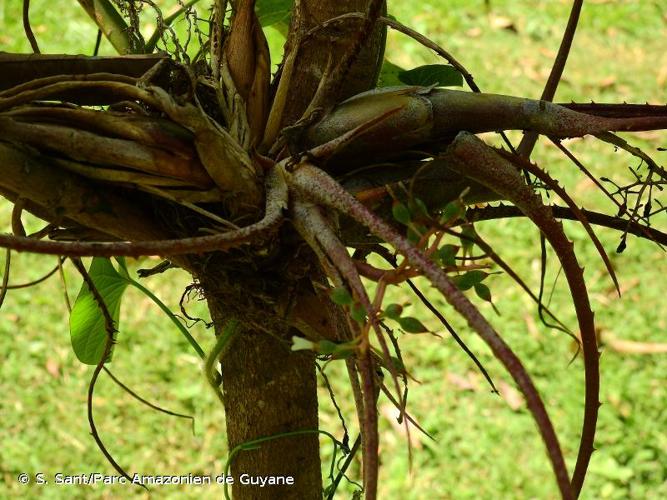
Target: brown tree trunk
point(269, 390)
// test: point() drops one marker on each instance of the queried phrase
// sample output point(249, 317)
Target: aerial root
point(276, 203)
point(483, 164)
point(319, 187)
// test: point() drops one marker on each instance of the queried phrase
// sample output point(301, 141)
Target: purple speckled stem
point(474, 159)
point(320, 187)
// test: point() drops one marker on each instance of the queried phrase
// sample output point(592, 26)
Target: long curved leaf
point(112, 24)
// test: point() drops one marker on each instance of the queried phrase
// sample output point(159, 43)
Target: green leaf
point(453, 210)
point(87, 328)
point(415, 233)
point(389, 75)
point(341, 296)
point(470, 279)
point(358, 313)
point(393, 311)
point(412, 325)
point(398, 364)
point(438, 75)
point(418, 207)
point(483, 292)
point(301, 344)
point(469, 236)
point(401, 213)
point(273, 11)
point(112, 25)
point(446, 255)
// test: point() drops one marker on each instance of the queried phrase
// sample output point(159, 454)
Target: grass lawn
point(485, 446)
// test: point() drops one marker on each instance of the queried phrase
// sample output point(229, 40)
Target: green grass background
point(484, 448)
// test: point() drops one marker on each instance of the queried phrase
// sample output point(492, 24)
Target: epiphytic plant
point(259, 186)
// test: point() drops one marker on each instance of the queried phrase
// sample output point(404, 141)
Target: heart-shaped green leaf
point(393, 311)
point(341, 296)
point(470, 279)
point(86, 322)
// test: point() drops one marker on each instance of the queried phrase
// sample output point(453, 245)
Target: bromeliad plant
point(258, 186)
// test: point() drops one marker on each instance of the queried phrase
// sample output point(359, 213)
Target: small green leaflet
point(393, 311)
point(418, 208)
point(273, 11)
point(341, 296)
point(483, 292)
point(358, 313)
point(412, 325)
point(453, 210)
point(438, 75)
point(470, 279)
point(86, 322)
point(401, 213)
point(446, 255)
point(432, 75)
point(468, 236)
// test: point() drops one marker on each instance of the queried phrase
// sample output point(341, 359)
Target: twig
point(553, 185)
point(148, 403)
point(28, 29)
point(34, 282)
point(528, 142)
point(599, 219)
point(344, 467)
point(63, 280)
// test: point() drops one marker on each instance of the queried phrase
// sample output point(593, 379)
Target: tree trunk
point(270, 390)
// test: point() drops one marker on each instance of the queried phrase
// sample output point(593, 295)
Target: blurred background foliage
point(486, 446)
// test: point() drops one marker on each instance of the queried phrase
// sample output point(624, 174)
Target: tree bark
point(325, 45)
point(269, 390)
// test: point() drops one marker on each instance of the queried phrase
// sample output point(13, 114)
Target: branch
point(528, 142)
point(482, 163)
point(428, 116)
point(599, 219)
